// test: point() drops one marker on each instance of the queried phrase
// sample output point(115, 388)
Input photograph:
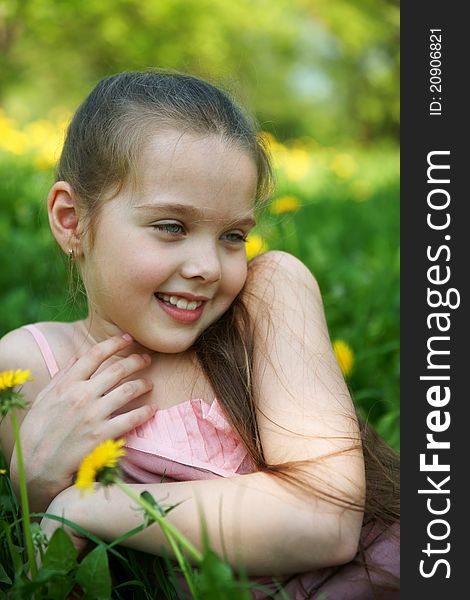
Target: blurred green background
point(322, 78)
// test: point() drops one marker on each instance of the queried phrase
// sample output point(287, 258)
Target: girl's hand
point(75, 412)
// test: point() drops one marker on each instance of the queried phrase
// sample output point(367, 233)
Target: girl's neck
point(96, 331)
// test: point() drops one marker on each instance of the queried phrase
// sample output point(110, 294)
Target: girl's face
point(180, 234)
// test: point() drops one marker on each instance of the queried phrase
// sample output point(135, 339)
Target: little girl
point(219, 373)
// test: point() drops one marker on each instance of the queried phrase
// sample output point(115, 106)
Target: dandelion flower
point(255, 245)
point(9, 379)
point(3, 471)
point(9, 398)
point(344, 356)
point(284, 205)
point(297, 162)
point(11, 138)
point(100, 465)
point(344, 165)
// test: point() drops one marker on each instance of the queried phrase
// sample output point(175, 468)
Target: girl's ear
point(63, 213)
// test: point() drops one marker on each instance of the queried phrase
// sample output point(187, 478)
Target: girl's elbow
point(346, 543)
point(330, 545)
point(346, 550)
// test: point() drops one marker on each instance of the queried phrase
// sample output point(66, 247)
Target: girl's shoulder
point(33, 348)
point(275, 273)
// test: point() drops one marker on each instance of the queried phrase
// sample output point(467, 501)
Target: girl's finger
point(122, 395)
point(113, 374)
point(122, 424)
point(90, 362)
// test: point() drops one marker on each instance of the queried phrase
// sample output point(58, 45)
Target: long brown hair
point(100, 156)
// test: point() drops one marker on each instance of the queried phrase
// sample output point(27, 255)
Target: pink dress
point(194, 440)
point(188, 441)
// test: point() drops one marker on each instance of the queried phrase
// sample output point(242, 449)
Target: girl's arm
point(249, 517)
point(305, 412)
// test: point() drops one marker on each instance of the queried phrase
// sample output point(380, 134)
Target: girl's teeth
point(180, 302)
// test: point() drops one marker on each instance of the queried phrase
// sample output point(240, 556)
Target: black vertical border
point(422, 133)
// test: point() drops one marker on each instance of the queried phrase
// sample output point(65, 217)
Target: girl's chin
point(169, 346)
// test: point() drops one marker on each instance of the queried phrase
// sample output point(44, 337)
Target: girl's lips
point(180, 314)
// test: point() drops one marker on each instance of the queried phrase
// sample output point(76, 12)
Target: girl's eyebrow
point(191, 211)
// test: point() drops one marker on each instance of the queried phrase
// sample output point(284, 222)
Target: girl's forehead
point(202, 168)
point(179, 150)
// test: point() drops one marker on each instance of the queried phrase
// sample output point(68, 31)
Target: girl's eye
point(171, 228)
point(236, 237)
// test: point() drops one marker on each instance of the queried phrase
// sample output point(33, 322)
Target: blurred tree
point(322, 68)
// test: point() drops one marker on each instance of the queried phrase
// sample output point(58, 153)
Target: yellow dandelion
point(284, 205)
point(344, 356)
point(9, 379)
point(12, 139)
point(255, 245)
point(46, 140)
point(99, 464)
point(3, 471)
point(344, 165)
point(296, 162)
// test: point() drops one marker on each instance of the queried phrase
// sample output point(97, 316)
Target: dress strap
point(45, 349)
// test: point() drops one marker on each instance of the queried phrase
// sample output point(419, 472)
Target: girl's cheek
point(243, 274)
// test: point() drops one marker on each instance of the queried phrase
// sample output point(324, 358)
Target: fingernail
point(127, 337)
point(146, 357)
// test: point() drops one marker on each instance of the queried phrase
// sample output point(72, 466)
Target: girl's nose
point(202, 264)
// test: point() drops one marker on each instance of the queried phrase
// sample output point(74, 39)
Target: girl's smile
point(169, 258)
point(179, 309)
